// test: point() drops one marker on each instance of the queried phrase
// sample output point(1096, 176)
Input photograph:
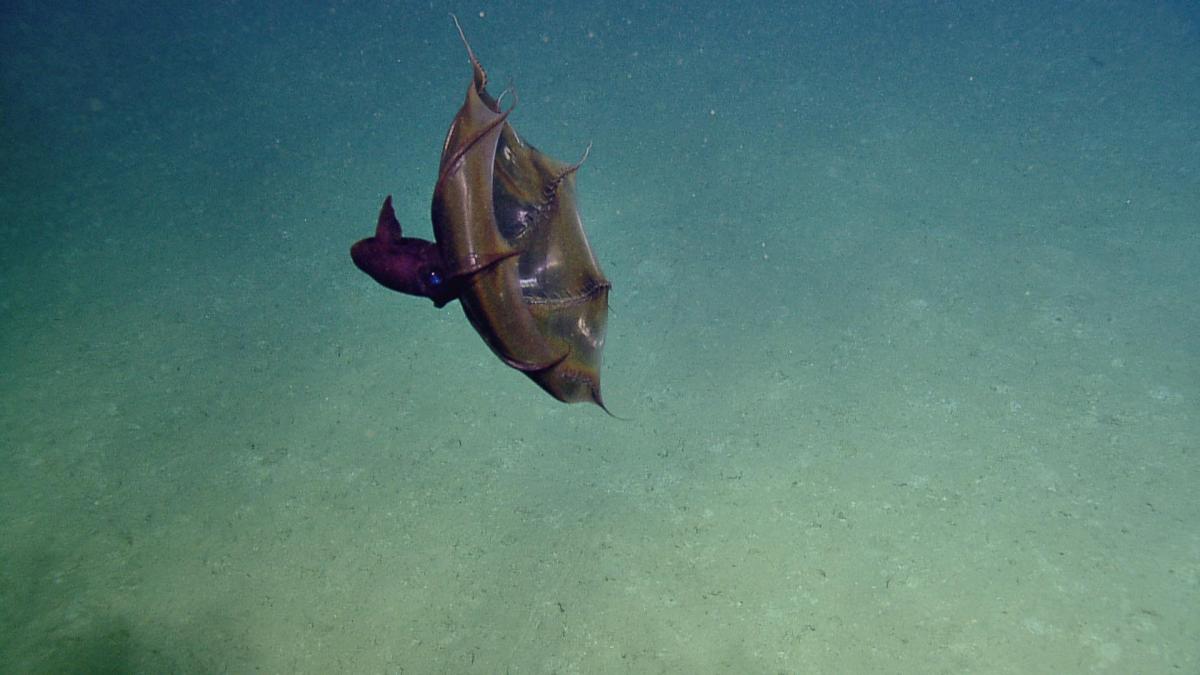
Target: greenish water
point(903, 320)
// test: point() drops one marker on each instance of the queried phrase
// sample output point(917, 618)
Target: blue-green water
point(903, 318)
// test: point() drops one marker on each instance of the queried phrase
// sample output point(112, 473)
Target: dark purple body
point(405, 264)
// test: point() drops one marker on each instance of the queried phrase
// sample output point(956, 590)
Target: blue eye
point(434, 278)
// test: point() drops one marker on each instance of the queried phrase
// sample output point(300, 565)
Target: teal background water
point(903, 318)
